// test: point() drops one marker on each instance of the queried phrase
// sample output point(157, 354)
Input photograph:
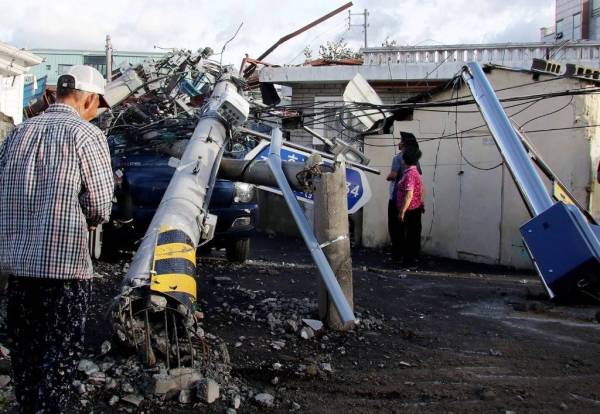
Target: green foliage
point(338, 50)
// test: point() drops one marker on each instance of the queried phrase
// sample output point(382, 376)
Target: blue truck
point(141, 178)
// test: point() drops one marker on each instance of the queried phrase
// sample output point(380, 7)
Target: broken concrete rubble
point(307, 333)
point(113, 400)
point(134, 399)
point(88, 367)
point(264, 400)
point(313, 324)
point(207, 390)
point(185, 397)
point(179, 379)
point(105, 347)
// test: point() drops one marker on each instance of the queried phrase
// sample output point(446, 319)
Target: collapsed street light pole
point(513, 152)
point(563, 245)
point(327, 275)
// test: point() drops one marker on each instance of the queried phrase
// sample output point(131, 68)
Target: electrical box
point(233, 107)
point(564, 248)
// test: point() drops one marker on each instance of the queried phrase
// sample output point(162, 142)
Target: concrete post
point(331, 226)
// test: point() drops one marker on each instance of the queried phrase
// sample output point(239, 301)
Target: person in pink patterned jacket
point(410, 207)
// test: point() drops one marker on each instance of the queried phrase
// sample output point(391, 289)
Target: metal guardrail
point(498, 53)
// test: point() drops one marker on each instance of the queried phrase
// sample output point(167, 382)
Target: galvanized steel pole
point(513, 152)
point(333, 287)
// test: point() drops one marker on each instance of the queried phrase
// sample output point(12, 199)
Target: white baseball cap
point(84, 78)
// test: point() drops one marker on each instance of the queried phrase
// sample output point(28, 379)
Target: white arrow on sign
point(357, 186)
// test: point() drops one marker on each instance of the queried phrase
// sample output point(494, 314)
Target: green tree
point(338, 50)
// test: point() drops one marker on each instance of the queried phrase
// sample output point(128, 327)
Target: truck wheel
point(238, 251)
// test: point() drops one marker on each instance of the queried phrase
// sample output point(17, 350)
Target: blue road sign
point(357, 187)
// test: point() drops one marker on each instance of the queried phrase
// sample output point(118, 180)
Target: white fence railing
point(501, 53)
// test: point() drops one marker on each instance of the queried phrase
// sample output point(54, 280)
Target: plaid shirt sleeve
point(97, 179)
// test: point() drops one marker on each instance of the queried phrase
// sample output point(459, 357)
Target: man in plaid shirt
point(56, 183)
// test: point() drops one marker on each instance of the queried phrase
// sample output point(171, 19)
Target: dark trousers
point(46, 323)
point(410, 235)
point(394, 229)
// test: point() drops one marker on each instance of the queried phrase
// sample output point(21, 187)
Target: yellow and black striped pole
point(174, 266)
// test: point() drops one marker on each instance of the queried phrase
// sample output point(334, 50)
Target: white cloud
point(139, 25)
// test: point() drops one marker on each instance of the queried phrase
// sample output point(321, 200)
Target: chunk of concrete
point(163, 384)
point(87, 366)
point(313, 324)
point(236, 401)
point(105, 347)
point(185, 397)
point(4, 380)
point(307, 333)
point(264, 399)
point(133, 399)
point(185, 377)
point(157, 303)
point(207, 390)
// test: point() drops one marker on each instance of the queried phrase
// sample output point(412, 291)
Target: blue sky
point(142, 24)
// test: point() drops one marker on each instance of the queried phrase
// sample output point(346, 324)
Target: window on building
point(329, 128)
point(62, 69)
point(98, 62)
point(559, 29)
point(576, 26)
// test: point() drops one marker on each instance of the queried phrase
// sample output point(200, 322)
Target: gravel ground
point(446, 337)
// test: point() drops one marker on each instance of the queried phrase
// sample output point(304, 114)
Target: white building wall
point(592, 117)
point(11, 97)
point(474, 214)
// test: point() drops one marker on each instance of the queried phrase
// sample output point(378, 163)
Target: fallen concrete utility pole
point(327, 275)
point(563, 245)
point(332, 231)
point(160, 286)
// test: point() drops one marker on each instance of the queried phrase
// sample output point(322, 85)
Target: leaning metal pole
point(513, 152)
point(160, 284)
point(327, 274)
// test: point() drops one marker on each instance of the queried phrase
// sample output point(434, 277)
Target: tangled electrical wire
point(341, 118)
point(161, 113)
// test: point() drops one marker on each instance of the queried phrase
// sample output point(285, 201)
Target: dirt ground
point(446, 337)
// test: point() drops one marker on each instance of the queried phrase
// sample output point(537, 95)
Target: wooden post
point(331, 223)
